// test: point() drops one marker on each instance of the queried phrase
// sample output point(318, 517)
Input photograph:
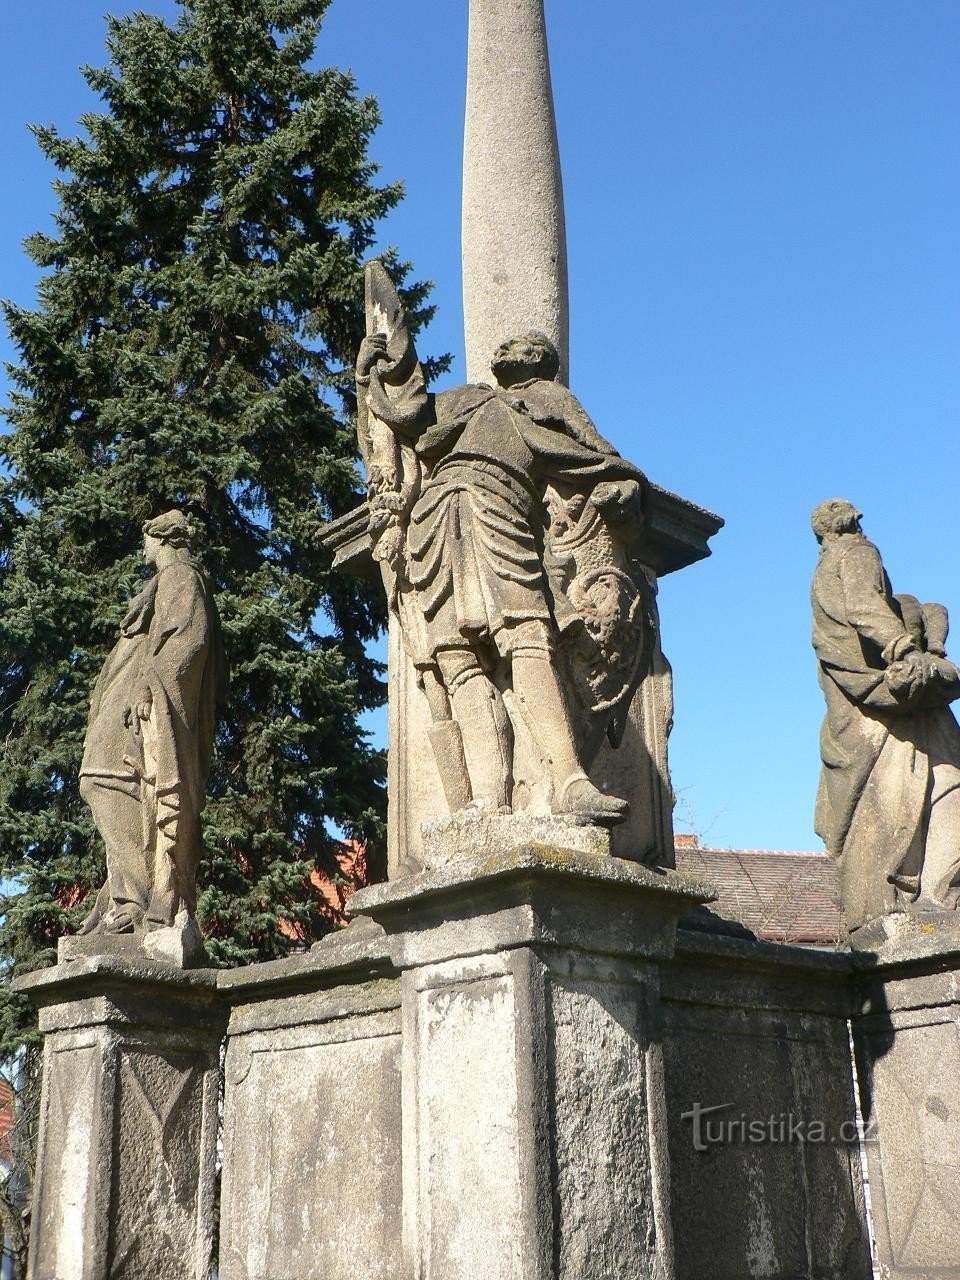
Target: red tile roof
point(780, 896)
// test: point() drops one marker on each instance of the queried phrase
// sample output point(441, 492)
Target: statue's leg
point(484, 728)
point(446, 739)
point(940, 878)
point(540, 697)
point(118, 817)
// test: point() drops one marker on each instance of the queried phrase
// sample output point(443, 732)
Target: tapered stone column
point(126, 1167)
point(514, 241)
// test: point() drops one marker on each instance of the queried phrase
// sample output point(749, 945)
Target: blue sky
point(762, 203)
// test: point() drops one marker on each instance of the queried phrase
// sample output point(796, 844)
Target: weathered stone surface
point(527, 896)
point(179, 945)
point(476, 838)
point(148, 747)
point(66, 1203)
point(756, 1035)
point(533, 1106)
point(603, 1148)
point(128, 1126)
point(514, 242)
point(908, 1054)
point(888, 807)
point(469, 1137)
point(312, 1117)
point(906, 934)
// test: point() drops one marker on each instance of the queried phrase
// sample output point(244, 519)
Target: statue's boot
point(540, 697)
point(94, 921)
point(579, 798)
point(484, 731)
point(446, 740)
point(123, 918)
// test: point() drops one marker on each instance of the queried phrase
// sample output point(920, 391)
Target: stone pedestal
point(533, 1111)
point(907, 1036)
point(125, 1179)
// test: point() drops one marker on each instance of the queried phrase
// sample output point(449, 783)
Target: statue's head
point(172, 530)
point(532, 355)
point(835, 516)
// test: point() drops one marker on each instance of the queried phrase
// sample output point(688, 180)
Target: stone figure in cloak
point(150, 739)
point(888, 807)
point(503, 522)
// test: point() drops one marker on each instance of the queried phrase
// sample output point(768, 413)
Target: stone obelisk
point(514, 240)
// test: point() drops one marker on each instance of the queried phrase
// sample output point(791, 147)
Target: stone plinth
point(125, 1180)
point(907, 1035)
point(533, 1124)
point(475, 838)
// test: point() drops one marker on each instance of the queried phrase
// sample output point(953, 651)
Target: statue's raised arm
point(392, 404)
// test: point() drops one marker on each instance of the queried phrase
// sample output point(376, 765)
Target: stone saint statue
point(503, 523)
point(888, 807)
point(150, 738)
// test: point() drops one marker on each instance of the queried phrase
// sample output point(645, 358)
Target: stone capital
point(532, 896)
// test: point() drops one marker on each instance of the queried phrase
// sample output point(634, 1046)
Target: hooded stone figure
point(150, 739)
point(888, 808)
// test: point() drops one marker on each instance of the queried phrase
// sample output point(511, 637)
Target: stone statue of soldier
point(150, 739)
point(465, 488)
point(888, 807)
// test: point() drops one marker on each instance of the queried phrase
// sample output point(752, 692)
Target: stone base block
point(125, 1178)
point(469, 837)
point(311, 1125)
point(180, 946)
point(908, 932)
point(907, 1036)
point(533, 1128)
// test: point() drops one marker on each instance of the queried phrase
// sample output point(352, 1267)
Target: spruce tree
point(200, 304)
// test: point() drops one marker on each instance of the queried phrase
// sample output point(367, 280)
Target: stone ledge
point(124, 995)
point(543, 862)
point(911, 940)
point(88, 974)
point(531, 896)
point(477, 838)
point(358, 953)
point(758, 954)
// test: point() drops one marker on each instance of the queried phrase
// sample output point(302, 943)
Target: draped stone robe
point(475, 534)
point(146, 781)
point(873, 802)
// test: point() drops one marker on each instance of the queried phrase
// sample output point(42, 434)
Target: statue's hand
point(389, 548)
point(392, 503)
point(144, 703)
point(139, 709)
point(372, 350)
point(906, 676)
point(618, 500)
